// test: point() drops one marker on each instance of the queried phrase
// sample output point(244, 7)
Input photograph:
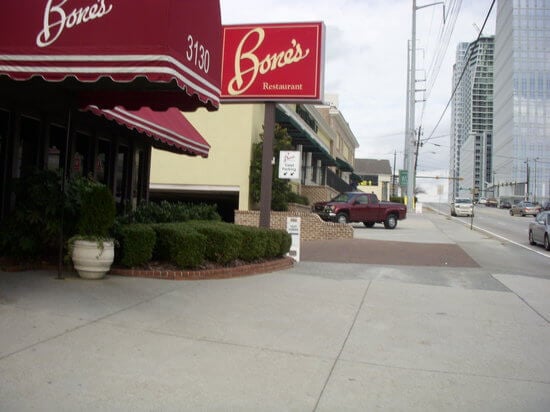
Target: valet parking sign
point(289, 164)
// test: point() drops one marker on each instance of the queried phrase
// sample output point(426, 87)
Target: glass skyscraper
point(521, 134)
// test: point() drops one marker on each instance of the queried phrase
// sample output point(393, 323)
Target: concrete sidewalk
point(317, 337)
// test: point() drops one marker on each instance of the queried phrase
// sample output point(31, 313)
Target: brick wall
point(312, 226)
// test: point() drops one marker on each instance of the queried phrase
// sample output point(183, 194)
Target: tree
point(281, 191)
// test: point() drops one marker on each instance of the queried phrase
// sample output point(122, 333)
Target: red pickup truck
point(361, 207)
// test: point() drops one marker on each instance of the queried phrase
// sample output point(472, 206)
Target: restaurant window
point(56, 148)
point(121, 176)
point(103, 161)
point(82, 156)
point(26, 156)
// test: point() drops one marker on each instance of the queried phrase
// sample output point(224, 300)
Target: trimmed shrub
point(273, 244)
point(166, 212)
point(97, 211)
point(223, 242)
point(137, 242)
point(179, 244)
point(285, 241)
point(253, 243)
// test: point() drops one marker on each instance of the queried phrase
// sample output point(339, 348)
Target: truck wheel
point(368, 224)
point(342, 218)
point(390, 222)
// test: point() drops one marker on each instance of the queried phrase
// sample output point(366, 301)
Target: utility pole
point(393, 176)
point(411, 133)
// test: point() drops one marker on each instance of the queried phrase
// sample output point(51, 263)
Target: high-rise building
point(521, 150)
point(472, 119)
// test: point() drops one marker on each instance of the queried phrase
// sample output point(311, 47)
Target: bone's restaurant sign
point(273, 62)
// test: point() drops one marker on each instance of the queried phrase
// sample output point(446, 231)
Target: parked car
point(524, 208)
point(505, 204)
point(491, 202)
point(462, 206)
point(539, 230)
point(545, 205)
point(361, 207)
point(482, 201)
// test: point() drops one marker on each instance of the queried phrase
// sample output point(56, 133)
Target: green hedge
point(192, 244)
point(179, 244)
point(253, 244)
point(136, 244)
point(223, 242)
point(167, 212)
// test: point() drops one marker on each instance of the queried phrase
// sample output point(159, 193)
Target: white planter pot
point(91, 260)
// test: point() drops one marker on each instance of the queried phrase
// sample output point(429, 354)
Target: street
point(519, 256)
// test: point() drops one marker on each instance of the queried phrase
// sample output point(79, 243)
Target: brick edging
point(203, 274)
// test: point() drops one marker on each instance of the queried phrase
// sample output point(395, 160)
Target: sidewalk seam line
point(522, 299)
point(343, 346)
point(446, 372)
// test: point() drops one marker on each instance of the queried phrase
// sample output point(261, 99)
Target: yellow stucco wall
point(230, 132)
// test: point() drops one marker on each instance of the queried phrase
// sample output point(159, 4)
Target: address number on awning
point(198, 54)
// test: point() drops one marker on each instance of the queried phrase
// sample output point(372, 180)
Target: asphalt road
point(509, 230)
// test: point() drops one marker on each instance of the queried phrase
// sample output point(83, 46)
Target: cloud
point(366, 63)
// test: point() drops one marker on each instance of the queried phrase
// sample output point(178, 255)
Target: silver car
point(539, 230)
point(462, 206)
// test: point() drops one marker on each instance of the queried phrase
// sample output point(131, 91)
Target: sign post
point(269, 63)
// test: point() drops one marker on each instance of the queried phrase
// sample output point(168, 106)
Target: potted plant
point(92, 249)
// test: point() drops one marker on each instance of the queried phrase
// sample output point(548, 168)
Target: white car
point(462, 206)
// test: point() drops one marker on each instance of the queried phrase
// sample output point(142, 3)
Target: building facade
point(522, 100)
point(472, 119)
point(375, 177)
point(319, 132)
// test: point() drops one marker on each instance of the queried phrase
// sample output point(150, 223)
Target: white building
point(472, 119)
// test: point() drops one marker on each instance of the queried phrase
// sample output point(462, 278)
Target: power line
point(443, 45)
point(463, 72)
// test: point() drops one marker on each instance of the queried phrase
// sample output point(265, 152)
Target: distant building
point(472, 119)
point(522, 100)
point(375, 176)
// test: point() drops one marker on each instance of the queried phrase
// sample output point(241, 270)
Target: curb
point(204, 274)
point(201, 274)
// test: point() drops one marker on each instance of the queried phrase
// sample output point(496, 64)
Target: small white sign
point(289, 164)
point(293, 225)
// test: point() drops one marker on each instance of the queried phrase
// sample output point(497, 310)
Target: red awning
point(170, 129)
point(131, 53)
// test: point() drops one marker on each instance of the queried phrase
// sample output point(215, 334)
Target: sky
point(366, 66)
